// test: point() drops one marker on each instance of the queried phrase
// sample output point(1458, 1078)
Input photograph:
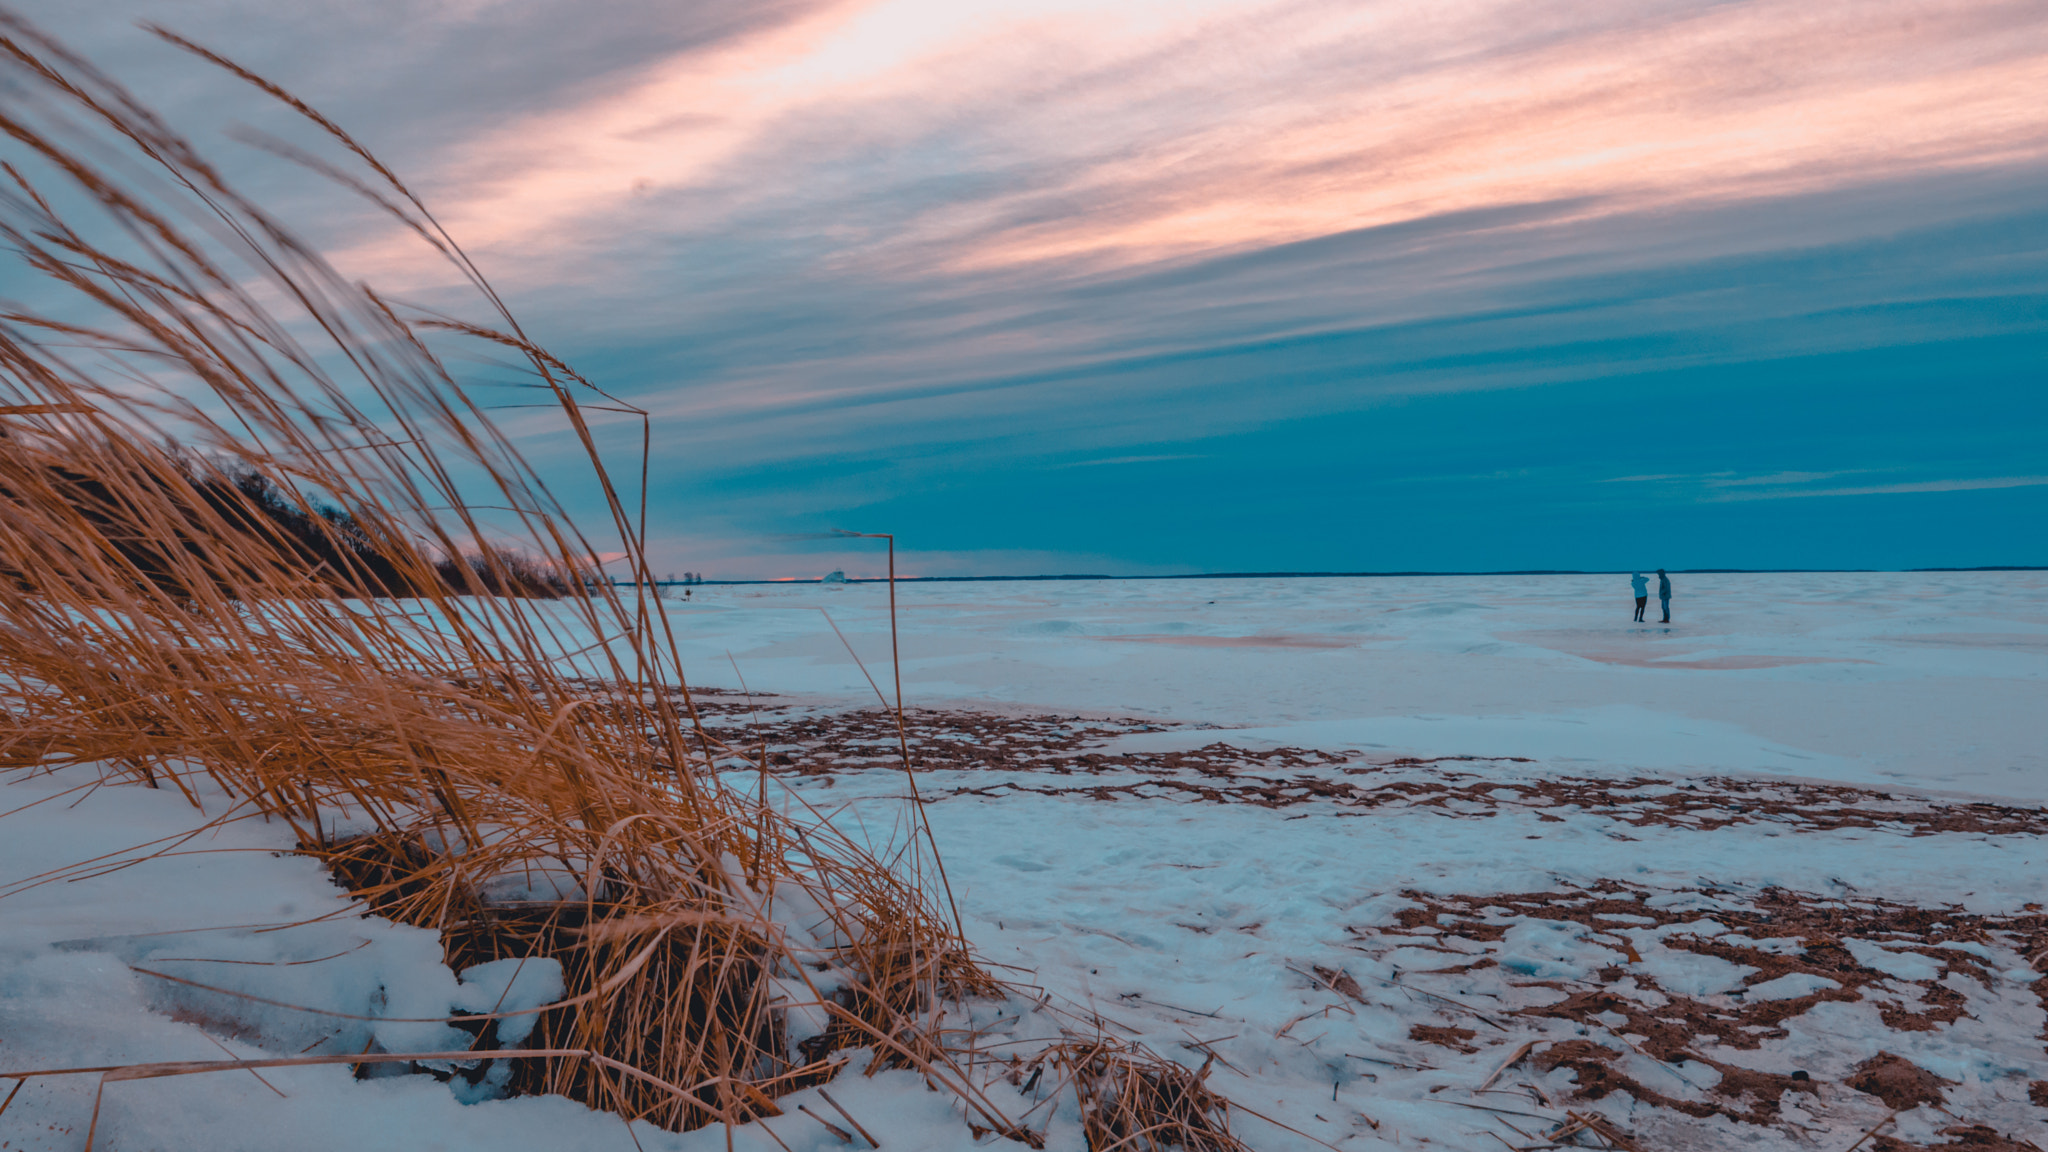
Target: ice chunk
point(803, 1014)
point(1691, 974)
point(1904, 965)
point(1552, 949)
point(1790, 986)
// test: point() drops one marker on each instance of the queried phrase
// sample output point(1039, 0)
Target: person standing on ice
point(1640, 585)
point(1664, 593)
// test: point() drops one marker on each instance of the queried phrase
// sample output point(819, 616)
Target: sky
point(1138, 287)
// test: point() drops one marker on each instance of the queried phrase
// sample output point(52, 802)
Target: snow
point(510, 985)
point(1283, 938)
point(1904, 965)
point(1790, 987)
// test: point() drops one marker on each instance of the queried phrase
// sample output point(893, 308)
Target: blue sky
point(1143, 287)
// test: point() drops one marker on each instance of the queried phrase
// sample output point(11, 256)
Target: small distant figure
point(1664, 593)
point(1640, 585)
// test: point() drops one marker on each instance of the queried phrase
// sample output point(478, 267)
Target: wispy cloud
point(1731, 479)
point(1777, 479)
point(1029, 130)
point(1974, 484)
point(1132, 460)
point(1728, 487)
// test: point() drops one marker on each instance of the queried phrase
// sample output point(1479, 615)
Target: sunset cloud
point(1032, 130)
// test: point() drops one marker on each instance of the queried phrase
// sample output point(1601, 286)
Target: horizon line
point(1324, 575)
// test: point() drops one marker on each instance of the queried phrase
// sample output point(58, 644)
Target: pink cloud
point(1145, 130)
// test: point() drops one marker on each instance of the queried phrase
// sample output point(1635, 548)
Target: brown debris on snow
point(1459, 1039)
point(1340, 981)
point(1968, 1138)
point(1898, 1082)
point(1944, 1006)
point(1774, 932)
point(1674, 1029)
point(803, 741)
point(1750, 1096)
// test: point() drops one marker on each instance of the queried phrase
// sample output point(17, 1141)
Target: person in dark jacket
point(1664, 593)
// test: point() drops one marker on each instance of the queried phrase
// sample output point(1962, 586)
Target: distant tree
point(239, 528)
point(500, 572)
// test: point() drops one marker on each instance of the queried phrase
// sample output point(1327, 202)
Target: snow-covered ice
point(1360, 930)
point(1929, 680)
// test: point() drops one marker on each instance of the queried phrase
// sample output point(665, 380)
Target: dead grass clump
point(1134, 1099)
point(526, 777)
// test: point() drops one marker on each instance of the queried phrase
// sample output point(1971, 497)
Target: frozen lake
point(1925, 680)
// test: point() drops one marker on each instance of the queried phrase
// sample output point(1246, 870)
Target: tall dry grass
point(153, 625)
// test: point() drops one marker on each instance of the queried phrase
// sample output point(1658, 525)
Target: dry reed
point(517, 774)
point(155, 620)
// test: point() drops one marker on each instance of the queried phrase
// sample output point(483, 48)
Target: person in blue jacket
point(1664, 593)
point(1640, 585)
